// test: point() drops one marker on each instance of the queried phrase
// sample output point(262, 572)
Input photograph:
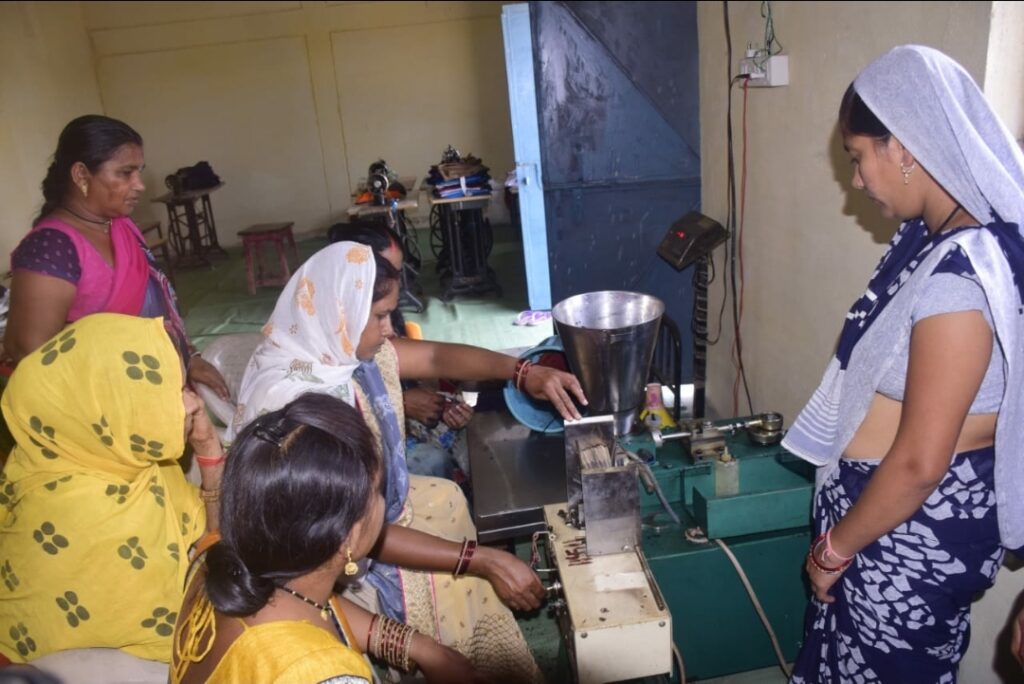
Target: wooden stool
point(275, 233)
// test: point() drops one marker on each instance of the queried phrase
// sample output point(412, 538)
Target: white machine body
point(615, 621)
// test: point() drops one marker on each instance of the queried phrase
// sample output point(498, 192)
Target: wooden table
point(192, 231)
point(465, 243)
point(366, 210)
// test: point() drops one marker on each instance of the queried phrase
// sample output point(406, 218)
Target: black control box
point(690, 238)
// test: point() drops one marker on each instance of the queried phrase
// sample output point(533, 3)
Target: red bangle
point(209, 462)
point(465, 556)
point(831, 551)
point(526, 371)
point(470, 549)
point(821, 567)
point(522, 370)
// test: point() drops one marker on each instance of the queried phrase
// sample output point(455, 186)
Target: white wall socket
point(772, 73)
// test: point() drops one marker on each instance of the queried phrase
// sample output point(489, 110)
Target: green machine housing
point(759, 504)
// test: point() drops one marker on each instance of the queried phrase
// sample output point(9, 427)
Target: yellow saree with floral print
point(96, 517)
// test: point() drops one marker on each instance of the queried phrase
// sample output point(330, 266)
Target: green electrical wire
point(772, 46)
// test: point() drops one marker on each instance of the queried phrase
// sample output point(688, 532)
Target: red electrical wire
point(737, 343)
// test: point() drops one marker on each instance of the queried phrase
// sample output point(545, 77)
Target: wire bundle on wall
point(733, 246)
point(732, 255)
point(736, 345)
point(772, 46)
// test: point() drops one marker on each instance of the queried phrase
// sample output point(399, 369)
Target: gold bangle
point(391, 642)
point(210, 496)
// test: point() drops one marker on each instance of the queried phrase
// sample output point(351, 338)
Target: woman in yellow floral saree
point(97, 517)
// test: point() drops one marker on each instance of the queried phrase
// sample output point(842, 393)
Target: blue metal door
point(522, 96)
point(619, 129)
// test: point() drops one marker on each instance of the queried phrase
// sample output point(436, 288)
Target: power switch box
point(776, 73)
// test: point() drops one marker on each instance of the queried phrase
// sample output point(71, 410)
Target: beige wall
point(289, 101)
point(46, 79)
point(810, 241)
point(1004, 77)
point(1004, 88)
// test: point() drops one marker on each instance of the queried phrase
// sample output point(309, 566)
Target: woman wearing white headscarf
point(329, 333)
point(917, 424)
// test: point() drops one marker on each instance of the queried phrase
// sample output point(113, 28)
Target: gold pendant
point(325, 614)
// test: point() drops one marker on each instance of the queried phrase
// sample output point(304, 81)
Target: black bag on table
point(197, 177)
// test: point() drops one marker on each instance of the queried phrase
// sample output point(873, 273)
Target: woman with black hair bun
point(301, 503)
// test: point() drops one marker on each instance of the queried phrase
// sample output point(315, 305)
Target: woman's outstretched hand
point(514, 581)
point(555, 386)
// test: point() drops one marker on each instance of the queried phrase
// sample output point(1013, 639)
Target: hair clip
point(270, 433)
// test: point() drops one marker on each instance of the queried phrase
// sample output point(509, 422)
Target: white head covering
point(932, 105)
point(310, 341)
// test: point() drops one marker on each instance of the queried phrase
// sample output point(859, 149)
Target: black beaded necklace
point(89, 220)
point(326, 610)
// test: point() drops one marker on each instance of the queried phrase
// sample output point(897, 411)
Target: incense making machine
point(641, 526)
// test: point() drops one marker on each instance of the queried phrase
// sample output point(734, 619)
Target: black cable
point(731, 214)
point(721, 310)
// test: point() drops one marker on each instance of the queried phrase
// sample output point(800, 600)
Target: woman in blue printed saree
point(329, 334)
point(917, 424)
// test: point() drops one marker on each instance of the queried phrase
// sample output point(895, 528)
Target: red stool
point(252, 239)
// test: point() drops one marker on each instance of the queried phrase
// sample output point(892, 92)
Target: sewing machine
point(626, 581)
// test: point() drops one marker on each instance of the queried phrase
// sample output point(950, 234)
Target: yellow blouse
point(290, 652)
point(279, 652)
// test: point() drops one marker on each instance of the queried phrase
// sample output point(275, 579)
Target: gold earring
point(350, 567)
point(85, 190)
point(906, 171)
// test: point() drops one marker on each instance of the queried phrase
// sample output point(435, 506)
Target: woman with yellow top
point(302, 501)
point(97, 517)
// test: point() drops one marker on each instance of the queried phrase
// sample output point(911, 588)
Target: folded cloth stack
point(460, 177)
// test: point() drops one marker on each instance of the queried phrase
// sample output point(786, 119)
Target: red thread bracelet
point(209, 462)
